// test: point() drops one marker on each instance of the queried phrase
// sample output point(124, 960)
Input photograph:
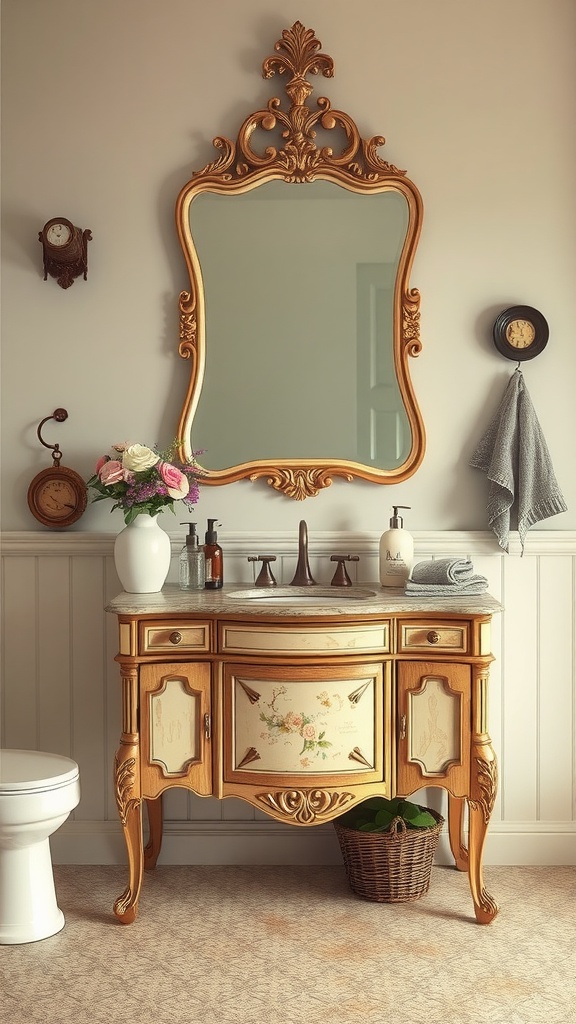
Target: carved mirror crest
point(299, 322)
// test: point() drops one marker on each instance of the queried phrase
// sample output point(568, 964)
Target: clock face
point(57, 496)
point(58, 234)
point(520, 333)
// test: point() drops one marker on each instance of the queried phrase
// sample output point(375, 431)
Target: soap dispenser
point(214, 558)
point(396, 552)
point(191, 568)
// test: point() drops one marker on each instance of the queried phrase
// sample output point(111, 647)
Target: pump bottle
point(191, 567)
point(396, 552)
point(214, 558)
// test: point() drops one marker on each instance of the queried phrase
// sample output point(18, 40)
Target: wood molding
point(433, 542)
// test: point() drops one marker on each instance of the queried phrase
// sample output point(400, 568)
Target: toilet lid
point(25, 769)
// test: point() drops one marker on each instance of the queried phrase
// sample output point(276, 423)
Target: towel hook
point(59, 415)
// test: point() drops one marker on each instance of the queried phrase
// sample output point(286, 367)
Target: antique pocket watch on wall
point(65, 249)
point(57, 496)
point(520, 333)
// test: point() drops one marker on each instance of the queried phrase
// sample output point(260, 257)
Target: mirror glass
point(299, 331)
point(299, 322)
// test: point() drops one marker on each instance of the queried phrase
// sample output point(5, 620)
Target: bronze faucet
point(303, 577)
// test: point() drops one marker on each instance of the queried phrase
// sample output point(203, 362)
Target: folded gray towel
point(476, 586)
point(516, 460)
point(442, 570)
point(445, 577)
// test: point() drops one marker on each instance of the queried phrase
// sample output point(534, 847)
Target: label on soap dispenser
point(396, 557)
point(395, 564)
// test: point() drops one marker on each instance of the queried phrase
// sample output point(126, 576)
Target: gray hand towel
point(440, 571)
point(475, 586)
point(516, 460)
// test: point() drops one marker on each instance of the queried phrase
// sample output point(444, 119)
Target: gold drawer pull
point(403, 727)
point(175, 637)
point(433, 637)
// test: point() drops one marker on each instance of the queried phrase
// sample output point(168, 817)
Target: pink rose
point(111, 472)
point(102, 462)
point(176, 483)
point(309, 732)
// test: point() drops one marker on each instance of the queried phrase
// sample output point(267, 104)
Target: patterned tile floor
point(270, 945)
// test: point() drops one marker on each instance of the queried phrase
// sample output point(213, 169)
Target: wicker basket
point(393, 866)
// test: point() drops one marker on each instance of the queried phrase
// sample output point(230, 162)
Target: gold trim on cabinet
point(485, 638)
point(304, 640)
point(127, 638)
point(427, 636)
point(156, 637)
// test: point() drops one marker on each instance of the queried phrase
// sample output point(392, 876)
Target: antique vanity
point(306, 702)
point(304, 706)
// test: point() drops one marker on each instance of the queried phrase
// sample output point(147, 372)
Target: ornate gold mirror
point(299, 322)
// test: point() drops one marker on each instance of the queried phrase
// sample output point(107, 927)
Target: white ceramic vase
point(142, 555)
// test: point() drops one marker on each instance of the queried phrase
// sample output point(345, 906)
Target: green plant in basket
point(378, 813)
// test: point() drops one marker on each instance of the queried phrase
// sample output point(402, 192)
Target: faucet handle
point(341, 577)
point(265, 576)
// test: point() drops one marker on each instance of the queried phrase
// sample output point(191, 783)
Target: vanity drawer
point(156, 637)
point(293, 639)
point(414, 635)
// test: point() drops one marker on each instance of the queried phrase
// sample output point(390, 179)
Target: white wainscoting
point(60, 691)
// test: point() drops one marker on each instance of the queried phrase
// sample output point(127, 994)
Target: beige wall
point(108, 106)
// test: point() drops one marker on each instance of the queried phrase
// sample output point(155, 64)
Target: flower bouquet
point(142, 480)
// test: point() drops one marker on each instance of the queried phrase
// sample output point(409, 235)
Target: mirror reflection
point(299, 331)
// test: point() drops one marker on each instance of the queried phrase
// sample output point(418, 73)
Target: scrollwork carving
point(125, 777)
point(306, 807)
point(300, 483)
point(487, 781)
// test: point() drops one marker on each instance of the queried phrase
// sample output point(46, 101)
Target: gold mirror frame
point(358, 168)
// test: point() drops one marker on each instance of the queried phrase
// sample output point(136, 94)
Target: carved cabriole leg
point(483, 788)
point(456, 805)
point(152, 848)
point(128, 798)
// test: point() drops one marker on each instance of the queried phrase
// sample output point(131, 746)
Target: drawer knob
point(433, 637)
point(175, 637)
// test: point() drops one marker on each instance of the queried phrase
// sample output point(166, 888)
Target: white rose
point(137, 457)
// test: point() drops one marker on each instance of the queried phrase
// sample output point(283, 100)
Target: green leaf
point(423, 820)
point(383, 819)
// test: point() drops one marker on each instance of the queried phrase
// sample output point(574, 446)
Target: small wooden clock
point(520, 332)
point(57, 496)
point(65, 250)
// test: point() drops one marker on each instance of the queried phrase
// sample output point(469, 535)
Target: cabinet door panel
point(434, 726)
point(176, 727)
point(305, 725)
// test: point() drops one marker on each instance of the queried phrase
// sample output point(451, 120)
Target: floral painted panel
point(304, 726)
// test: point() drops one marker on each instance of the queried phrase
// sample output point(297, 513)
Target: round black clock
point(520, 332)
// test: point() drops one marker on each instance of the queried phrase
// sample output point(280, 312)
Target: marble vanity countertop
point(364, 599)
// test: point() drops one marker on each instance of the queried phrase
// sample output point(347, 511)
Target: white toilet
point(37, 793)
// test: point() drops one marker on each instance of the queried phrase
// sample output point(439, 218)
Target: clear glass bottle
point(192, 564)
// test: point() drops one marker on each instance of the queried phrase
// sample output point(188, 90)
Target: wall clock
point(65, 250)
point(520, 332)
point(57, 496)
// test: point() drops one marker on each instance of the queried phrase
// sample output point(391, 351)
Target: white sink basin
point(303, 595)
